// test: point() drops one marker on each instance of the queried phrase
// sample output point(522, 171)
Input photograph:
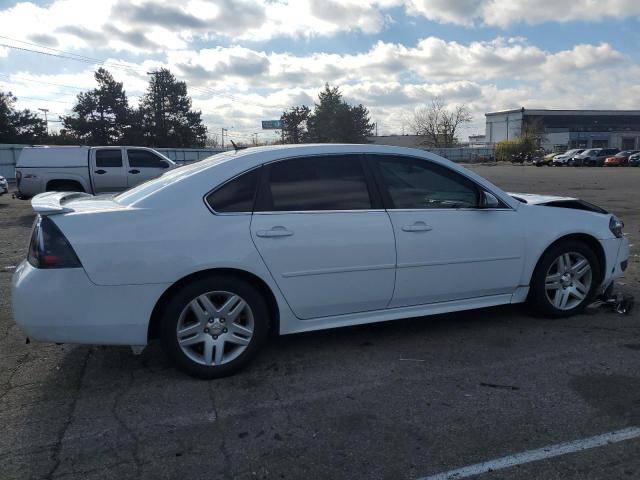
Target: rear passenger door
point(107, 170)
point(144, 165)
point(322, 233)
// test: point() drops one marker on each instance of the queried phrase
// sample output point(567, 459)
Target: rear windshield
point(139, 192)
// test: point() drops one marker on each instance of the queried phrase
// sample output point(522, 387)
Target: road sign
point(271, 124)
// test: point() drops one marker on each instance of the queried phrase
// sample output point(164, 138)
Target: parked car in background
point(86, 169)
point(545, 160)
point(578, 160)
point(212, 256)
point(620, 159)
point(594, 157)
point(634, 160)
point(563, 158)
point(4, 186)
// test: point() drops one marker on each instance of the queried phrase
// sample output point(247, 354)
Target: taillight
point(49, 248)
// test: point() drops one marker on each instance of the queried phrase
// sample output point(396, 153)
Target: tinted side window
point(420, 184)
point(236, 195)
point(109, 158)
point(145, 159)
point(317, 183)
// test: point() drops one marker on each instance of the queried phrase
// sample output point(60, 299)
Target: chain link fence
point(467, 154)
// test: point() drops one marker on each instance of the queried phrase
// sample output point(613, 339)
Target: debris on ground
point(503, 387)
point(617, 302)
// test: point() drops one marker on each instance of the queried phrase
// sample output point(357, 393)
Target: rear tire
point(565, 280)
point(214, 326)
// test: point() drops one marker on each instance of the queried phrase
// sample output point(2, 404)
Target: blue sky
point(247, 60)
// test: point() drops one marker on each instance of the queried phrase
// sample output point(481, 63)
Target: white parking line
point(538, 454)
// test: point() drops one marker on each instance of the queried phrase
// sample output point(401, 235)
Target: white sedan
point(211, 256)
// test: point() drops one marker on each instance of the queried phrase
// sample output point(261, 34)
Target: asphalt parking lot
point(398, 400)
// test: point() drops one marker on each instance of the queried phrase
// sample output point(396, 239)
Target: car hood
point(556, 201)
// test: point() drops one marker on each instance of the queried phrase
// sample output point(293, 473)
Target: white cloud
point(503, 13)
point(497, 74)
point(240, 84)
point(141, 26)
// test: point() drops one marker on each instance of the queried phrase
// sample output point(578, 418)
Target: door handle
point(274, 232)
point(417, 227)
point(134, 171)
point(100, 172)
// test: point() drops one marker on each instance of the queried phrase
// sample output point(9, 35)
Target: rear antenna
point(236, 147)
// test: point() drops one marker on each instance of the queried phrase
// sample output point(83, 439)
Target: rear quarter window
point(235, 196)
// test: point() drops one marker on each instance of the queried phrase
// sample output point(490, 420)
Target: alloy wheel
point(568, 280)
point(215, 328)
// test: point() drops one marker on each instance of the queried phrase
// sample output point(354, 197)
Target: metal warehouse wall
point(9, 153)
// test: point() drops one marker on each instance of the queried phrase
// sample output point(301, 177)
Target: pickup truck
point(86, 169)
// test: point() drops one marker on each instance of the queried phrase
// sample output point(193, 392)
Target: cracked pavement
point(397, 400)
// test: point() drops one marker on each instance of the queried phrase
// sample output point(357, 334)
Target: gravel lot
point(398, 400)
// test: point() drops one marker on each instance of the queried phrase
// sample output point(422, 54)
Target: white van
point(86, 169)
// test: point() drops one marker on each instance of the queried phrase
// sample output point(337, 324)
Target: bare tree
point(212, 141)
point(533, 128)
point(439, 124)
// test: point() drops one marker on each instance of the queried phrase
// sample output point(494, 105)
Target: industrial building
point(562, 129)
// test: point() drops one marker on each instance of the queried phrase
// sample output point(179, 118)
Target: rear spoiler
point(51, 203)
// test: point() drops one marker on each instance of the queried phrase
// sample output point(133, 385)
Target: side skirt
point(401, 312)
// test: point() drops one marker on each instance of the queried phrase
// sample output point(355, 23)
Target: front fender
point(546, 225)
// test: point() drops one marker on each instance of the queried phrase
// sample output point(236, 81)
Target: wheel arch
point(153, 330)
point(60, 181)
point(591, 241)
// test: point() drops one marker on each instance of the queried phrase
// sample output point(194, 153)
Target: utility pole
point(222, 130)
point(376, 129)
point(46, 120)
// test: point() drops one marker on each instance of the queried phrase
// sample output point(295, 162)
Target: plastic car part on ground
point(616, 302)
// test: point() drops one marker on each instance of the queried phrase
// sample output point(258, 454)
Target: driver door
point(448, 246)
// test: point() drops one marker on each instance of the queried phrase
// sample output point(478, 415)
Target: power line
point(102, 62)
point(65, 54)
point(42, 100)
point(91, 60)
point(11, 77)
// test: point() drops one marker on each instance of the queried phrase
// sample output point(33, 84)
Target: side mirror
point(489, 200)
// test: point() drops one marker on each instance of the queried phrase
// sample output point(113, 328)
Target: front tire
point(214, 326)
point(565, 280)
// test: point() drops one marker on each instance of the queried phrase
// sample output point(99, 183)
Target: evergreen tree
point(332, 121)
point(294, 124)
point(100, 116)
point(19, 126)
point(166, 116)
